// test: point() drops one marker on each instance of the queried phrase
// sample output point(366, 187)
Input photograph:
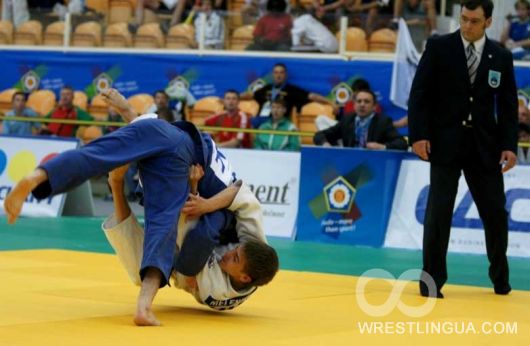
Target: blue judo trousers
point(164, 153)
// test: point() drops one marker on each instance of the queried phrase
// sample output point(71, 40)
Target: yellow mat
point(50, 297)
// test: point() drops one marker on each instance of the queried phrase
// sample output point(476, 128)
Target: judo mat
point(61, 285)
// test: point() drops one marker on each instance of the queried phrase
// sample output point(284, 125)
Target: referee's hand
point(422, 149)
point(508, 160)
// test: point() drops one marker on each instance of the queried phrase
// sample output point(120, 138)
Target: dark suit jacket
point(381, 130)
point(442, 97)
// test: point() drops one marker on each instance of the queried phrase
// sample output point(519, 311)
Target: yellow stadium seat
point(180, 36)
point(141, 102)
point(250, 107)
point(88, 133)
point(117, 35)
point(101, 6)
point(80, 100)
point(41, 101)
point(5, 100)
point(355, 40)
point(98, 108)
point(29, 33)
point(383, 40)
point(307, 127)
point(242, 37)
point(307, 116)
point(120, 11)
point(149, 36)
point(6, 32)
point(87, 34)
point(54, 34)
point(205, 108)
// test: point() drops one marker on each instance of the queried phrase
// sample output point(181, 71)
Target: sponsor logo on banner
point(274, 178)
point(335, 207)
point(405, 227)
point(19, 156)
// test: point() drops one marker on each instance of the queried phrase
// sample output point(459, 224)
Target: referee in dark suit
point(463, 117)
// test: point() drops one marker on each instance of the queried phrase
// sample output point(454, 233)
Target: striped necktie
point(472, 62)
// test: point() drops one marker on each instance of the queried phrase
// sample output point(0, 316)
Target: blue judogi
point(164, 153)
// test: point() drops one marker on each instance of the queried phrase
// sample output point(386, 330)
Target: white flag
point(405, 64)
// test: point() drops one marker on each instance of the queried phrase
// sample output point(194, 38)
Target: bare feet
point(145, 317)
point(16, 197)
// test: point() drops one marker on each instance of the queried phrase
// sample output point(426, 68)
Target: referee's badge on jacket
point(494, 79)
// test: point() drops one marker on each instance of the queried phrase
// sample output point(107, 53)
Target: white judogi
point(214, 287)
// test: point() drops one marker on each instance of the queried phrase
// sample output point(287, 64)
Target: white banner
point(274, 177)
point(20, 156)
point(405, 228)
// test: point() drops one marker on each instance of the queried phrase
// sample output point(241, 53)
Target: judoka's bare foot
point(15, 199)
point(145, 317)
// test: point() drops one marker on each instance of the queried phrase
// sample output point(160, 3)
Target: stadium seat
point(149, 36)
point(80, 100)
point(88, 133)
point(180, 36)
point(117, 35)
point(54, 34)
point(6, 32)
point(242, 37)
point(355, 40)
point(101, 6)
point(235, 20)
point(87, 35)
point(205, 108)
point(41, 101)
point(29, 33)
point(383, 40)
point(120, 11)
point(305, 126)
point(141, 102)
point(250, 107)
point(98, 108)
point(5, 100)
point(307, 116)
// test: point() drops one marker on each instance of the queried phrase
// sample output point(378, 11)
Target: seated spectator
point(364, 13)
point(417, 12)
point(160, 5)
point(277, 122)
point(328, 12)
point(231, 117)
point(273, 30)
point(364, 129)
point(293, 95)
point(523, 153)
point(214, 33)
point(516, 34)
point(15, 11)
point(252, 10)
point(65, 110)
point(323, 122)
point(307, 31)
point(20, 128)
point(524, 115)
point(161, 106)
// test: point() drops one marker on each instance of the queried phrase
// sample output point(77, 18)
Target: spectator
point(323, 122)
point(161, 106)
point(231, 117)
point(15, 11)
point(516, 34)
point(214, 33)
point(252, 10)
point(523, 153)
point(310, 32)
point(524, 115)
point(328, 12)
point(160, 5)
point(417, 12)
point(20, 128)
point(65, 110)
point(72, 6)
point(277, 122)
point(364, 129)
point(113, 117)
point(293, 95)
point(180, 100)
point(367, 10)
point(273, 30)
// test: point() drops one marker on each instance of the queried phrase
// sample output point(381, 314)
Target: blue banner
point(346, 195)
point(133, 73)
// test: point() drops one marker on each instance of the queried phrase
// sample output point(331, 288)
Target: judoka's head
point(475, 18)
point(253, 263)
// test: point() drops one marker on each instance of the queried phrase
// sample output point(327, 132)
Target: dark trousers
point(487, 188)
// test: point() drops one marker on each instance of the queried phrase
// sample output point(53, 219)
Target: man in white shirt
point(310, 32)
